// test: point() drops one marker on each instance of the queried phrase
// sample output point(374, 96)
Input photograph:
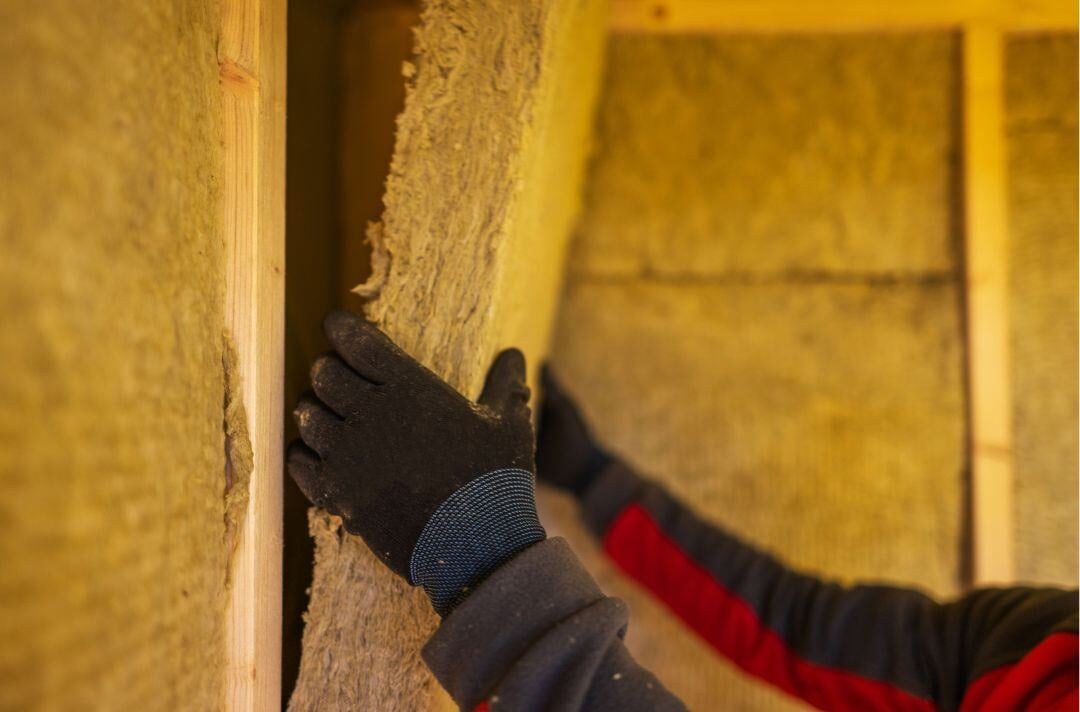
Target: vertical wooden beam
point(252, 63)
point(986, 244)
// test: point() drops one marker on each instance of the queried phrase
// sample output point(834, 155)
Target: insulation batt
point(1041, 116)
point(483, 190)
point(113, 550)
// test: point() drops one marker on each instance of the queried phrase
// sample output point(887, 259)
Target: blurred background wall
point(764, 308)
point(1041, 126)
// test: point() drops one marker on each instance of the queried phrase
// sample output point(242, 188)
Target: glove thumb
point(505, 390)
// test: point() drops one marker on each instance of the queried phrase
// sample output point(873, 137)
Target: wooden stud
point(252, 71)
point(688, 16)
point(986, 244)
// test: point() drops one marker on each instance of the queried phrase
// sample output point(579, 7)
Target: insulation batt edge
point(239, 456)
point(482, 194)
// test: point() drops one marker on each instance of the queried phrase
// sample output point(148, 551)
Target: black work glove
point(566, 454)
point(440, 488)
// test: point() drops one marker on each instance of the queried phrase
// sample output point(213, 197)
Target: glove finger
point(306, 470)
point(557, 404)
point(505, 389)
point(367, 350)
point(549, 385)
point(319, 426)
point(339, 387)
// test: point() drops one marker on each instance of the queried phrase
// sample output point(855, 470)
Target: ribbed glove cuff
point(477, 529)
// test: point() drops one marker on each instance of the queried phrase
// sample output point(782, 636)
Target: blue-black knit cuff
point(477, 529)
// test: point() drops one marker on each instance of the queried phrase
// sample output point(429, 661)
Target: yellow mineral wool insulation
point(1041, 134)
point(113, 474)
point(483, 190)
point(772, 154)
point(763, 311)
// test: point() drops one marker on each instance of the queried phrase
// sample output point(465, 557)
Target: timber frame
point(983, 25)
point(251, 58)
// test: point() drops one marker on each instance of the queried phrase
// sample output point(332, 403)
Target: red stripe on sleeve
point(482, 707)
point(1044, 679)
point(638, 545)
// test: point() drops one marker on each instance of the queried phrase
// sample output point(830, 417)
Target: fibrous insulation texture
point(763, 311)
point(113, 475)
point(1041, 115)
point(483, 189)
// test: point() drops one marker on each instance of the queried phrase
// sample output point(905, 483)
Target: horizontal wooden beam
point(697, 16)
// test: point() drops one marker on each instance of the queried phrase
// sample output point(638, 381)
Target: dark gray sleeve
point(862, 647)
point(538, 634)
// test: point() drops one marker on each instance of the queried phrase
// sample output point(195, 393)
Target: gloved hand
point(440, 488)
point(566, 454)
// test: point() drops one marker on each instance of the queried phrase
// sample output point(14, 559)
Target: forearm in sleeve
point(538, 634)
point(861, 648)
point(865, 647)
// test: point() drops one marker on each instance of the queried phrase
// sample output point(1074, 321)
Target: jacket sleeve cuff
point(613, 490)
point(479, 641)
